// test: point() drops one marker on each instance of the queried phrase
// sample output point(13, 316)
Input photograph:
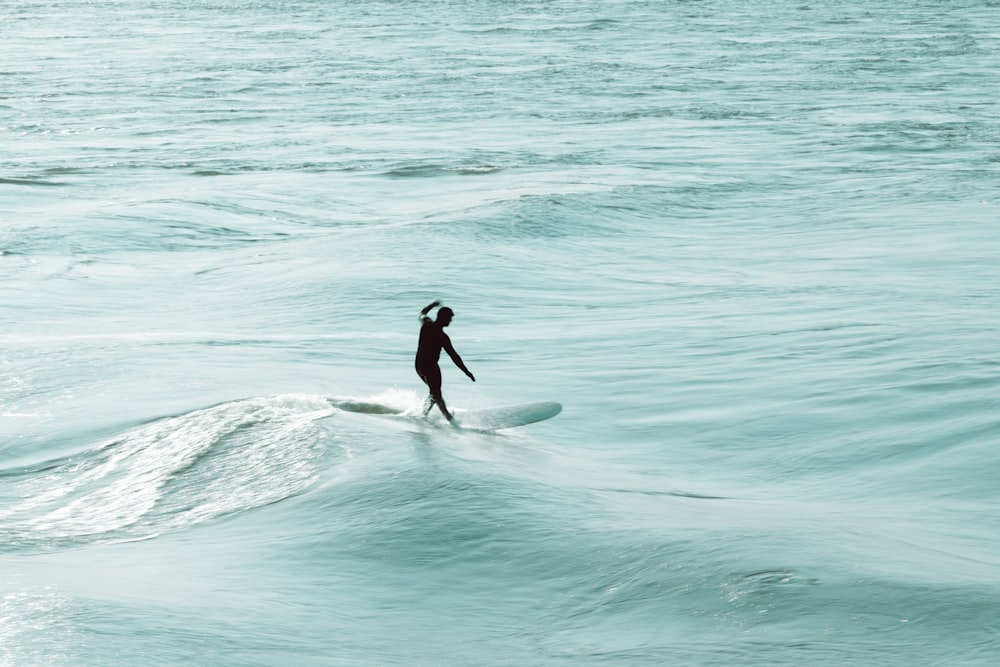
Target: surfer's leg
point(444, 408)
point(431, 375)
point(434, 382)
point(429, 401)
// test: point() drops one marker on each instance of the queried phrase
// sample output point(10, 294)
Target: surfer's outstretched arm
point(427, 309)
point(457, 359)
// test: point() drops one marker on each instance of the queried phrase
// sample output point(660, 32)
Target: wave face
point(750, 248)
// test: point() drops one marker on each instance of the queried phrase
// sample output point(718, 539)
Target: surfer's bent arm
point(423, 313)
point(457, 359)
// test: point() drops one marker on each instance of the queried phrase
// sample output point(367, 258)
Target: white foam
point(176, 471)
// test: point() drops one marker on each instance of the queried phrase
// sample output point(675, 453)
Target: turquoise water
point(750, 247)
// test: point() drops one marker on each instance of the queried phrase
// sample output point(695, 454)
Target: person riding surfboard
point(432, 340)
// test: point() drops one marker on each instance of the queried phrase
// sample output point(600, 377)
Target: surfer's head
point(444, 316)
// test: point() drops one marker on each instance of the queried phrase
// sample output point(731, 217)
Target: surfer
point(432, 340)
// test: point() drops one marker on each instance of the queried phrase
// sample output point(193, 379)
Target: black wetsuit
point(432, 340)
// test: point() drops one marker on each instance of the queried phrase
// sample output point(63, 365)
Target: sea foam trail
point(169, 474)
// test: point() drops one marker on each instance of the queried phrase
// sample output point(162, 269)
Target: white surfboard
point(489, 419)
point(509, 416)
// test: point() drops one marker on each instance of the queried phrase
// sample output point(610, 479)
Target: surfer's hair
point(445, 312)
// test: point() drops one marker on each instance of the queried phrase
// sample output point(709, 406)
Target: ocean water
point(750, 246)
